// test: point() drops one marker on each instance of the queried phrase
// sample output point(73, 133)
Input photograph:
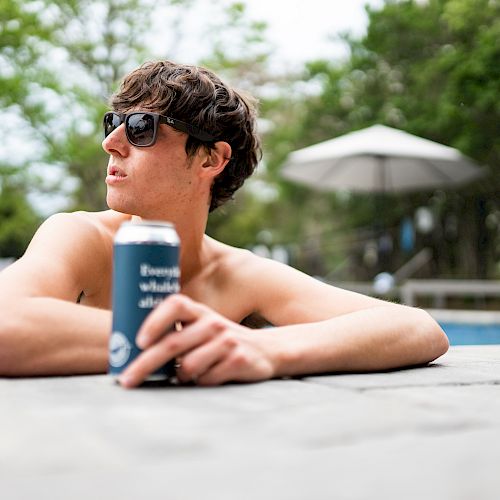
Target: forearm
point(373, 339)
point(46, 336)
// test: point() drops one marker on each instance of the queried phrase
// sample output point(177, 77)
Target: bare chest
point(228, 299)
point(221, 295)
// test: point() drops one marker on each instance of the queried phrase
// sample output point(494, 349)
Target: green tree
point(428, 68)
point(18, 220)
point(450, 80)
point(96, 42)
point(262, 214)
point(242, 55)
point(61, 60)
point(21, 39)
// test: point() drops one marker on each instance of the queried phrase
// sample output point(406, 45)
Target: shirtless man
point(178, 171)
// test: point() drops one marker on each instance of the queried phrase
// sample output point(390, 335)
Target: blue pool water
point(471, 334)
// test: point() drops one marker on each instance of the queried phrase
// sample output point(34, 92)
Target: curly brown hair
point(197, 96)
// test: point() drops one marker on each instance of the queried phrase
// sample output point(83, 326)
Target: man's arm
point(339, 330)
point(42, 329)
point(46, 336)
point(319, 329)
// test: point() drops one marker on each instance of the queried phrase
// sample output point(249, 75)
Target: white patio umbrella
point(379, 159)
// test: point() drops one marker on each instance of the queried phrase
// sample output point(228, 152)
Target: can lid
point(146, 222)
point(147, 231)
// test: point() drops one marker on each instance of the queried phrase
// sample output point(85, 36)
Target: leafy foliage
point(18, 221)
point(431, 69)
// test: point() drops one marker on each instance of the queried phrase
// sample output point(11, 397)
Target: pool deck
point(423, 433)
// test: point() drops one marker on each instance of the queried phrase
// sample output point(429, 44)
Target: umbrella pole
point(381, 170)
point(384, 243)
point(384, 240)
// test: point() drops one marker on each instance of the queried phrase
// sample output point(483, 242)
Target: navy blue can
point(145, 271)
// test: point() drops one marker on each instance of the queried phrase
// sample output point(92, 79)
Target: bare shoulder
point(229, 258)
point(98, 224)
point(247, 268)
point(284, 295)
point(87, 232)
point(248, 280)
point(63, 226)
point(68, 254)
point(231, 265)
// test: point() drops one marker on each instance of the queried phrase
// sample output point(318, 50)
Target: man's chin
point(118, 205)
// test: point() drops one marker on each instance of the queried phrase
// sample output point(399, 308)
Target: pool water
point(471, 334)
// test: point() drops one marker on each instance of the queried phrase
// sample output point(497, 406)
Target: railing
point(441, 289)
point(438, 290)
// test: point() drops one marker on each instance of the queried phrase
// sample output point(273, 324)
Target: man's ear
point(216, 159)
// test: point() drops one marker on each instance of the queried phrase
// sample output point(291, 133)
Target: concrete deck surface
point(424, 433)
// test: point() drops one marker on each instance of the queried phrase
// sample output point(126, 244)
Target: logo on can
point(119, 349)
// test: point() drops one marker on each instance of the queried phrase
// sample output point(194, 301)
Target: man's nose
point(116, 142)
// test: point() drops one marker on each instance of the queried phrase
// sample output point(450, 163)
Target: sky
point(301, 28)
point(298, 29)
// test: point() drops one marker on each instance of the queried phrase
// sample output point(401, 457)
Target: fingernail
point(126, 380)
point(141, 341)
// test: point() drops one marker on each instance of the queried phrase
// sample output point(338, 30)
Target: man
point(177, 167)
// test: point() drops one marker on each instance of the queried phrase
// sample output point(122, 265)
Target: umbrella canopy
point(379, 159)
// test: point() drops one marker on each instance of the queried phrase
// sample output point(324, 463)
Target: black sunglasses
point(141, 127)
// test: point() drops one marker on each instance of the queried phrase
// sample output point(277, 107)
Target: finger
point(239, 366)
point(173, 309)
point(201, 359)
point(170, 346)
point(218, 374)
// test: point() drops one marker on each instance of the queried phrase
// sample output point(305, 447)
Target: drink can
point(145, 271)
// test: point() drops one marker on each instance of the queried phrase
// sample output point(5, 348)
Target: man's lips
point(115, 175)
point(116, 172)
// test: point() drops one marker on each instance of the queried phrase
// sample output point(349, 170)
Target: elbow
point(9, 345)
point(435, 342)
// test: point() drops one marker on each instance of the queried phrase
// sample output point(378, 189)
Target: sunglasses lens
point(111, 122)
point(140, 129)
